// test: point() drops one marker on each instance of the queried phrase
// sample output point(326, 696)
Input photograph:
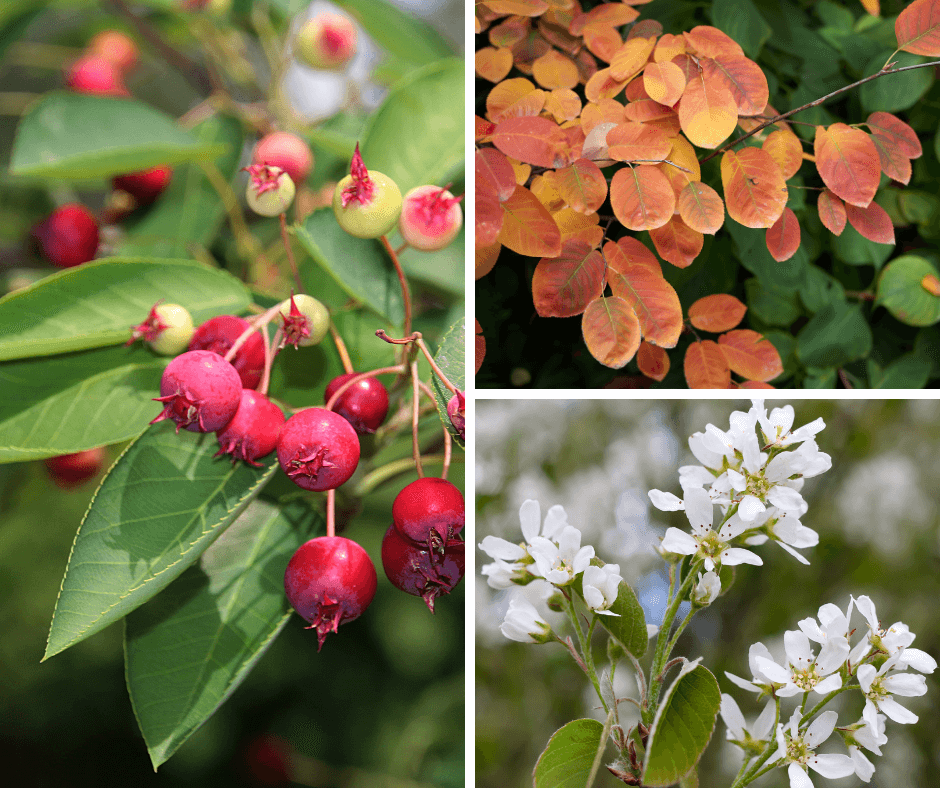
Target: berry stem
point(405, 292)
point(341, 349)
point(353, 381)
point(331, 512)
point(415, 449)
point(416, 338)
point(447, 437)
point(268, 361)
point(263, 319)
point(401, 248)
point(285, 237)
point(385, 472)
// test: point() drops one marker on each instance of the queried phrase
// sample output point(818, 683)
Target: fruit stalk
point(405, 292)
point(415, 449)
point(285, 237)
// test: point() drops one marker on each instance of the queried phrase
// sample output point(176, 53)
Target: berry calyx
point(116, 47)
point(167, 329)
point(430, 218)
point(366, 203)
point(328, 41)
point(415, 570)
point(144, 186)
point(68, 236)
point(254, 430)
point(96, 75)
point(456, 411)
point(200, 391)
point(70, 470)
point(318, 450)
point(330, 580)
point(219, 334)
point(306, 320)
point(364, 404)
point(270, 189)
point(429, 511)
point(287, 151)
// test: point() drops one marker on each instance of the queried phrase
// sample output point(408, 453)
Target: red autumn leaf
point(783, 237)
point(918, 28)
point(895, 133)
point(528, 227)
point(786, 149)
point(754, 384)
point(712, 42)
point(493, 169)
point(553, 70)
point(716, 313)
point(486, 257)
point(707, 111)
point(664, 82)
point(611, 331)
point(493, 64)
point(893, 164)
point(517, 7)
point(510, 31)
point(755, 191)
point(535, 141)
point(582, 185)
point(602, 40)
point(751, 355)
point(612, 14)
point(634, 253)
point(483, 128)
point(831, 212)
point(706, 367)
point(848, 163)
point(743, 78)
point(641, 197)
point(701, 207)
point(872, 222)
point(630, 58)
point(637, 142)
point(489, 215)
point(653, 361)
point(563, 286)
point(677, 243)
point(480, 348)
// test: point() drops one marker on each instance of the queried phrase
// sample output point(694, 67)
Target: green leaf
point(894, 92)
point(682, 727)
point(741, 20)
point(189, 648)
point(451, 358)
point(76, 135)
point(190, 211)
point(820, 378)
point(360, 266)
point(901, 292)
point(162, 504)
point(835, 335)
point(910, 371)
point(852, 248)
point(76, 401)
point(416, 136)
point(629, 625)
point(772, 305)
point(755, 257)
point(820, 288)
point(404, 35)
point(567, 759)
point(442, 269)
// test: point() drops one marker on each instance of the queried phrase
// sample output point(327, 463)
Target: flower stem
point(585, 643)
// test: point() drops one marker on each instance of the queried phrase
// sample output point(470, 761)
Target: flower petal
point(798, 777)
point(821, 729)
point(495, 547)
point(666, 502)
point(530, 519)
point(676, 541)
point(832, 766)
point(738, 555)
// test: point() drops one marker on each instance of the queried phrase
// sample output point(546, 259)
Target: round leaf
point(902, 292)
point(567, 760)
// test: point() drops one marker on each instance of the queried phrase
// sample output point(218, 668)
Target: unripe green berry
point(179, 329)
point(305, 314)
point(270, 190)
point(328, 41)
point(374, 217)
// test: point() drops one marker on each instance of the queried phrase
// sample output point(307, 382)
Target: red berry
point(94, 74)
point(200, 390)
point(364, 404)
point(430, 218)
point(268, 759)
point(144, 186)
point(287, 151)
point(69, 236)
point(317, 449)
point(220, 333)
point(456, 410)
point(115, 46)
point(418, 571)
point(330, 580)
point(429, 511)
point(254, 430)
point(70, 470)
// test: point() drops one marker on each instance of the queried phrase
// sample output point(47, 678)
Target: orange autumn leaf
point(579, 225)
point(683, 156)
point(563, 286)
point(893, 164)
point(611, 331)
point(602, 40)
point(603, 111)
point(918, 28)
point(637, 142)
point(755, 191)
point(535, 141)
point(783, 237)
point(664, 82)
point(521, 171)
point(706, 366)
point(528, 228)
point(510, 31)
point(514, 98)
point(743, 78)
point(493, 64)
point(479, 349)
point(563, 104)
point(707, 112)
point(645, 28)
point(677, 243)
point(553, 70)
point(493, 169)
point(634, 253)
point(931, 284)
point(630, 58)
point(489, 215)
point(701, 207)
point(848, 163)
point(895, 133)
point(872, 7)
point(786, 149)
point(667, 47)
point(653, 361)
point(641, 197)
point(603, 86)
point(872, 222)
point(754, 384)
point(486, 257)
point(612, 14)
point(518, 7)
point(831, 212)
point(716, 313)
point(582, 185)
point(712, 42)
point(751, 355)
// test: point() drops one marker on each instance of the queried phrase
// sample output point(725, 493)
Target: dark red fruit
point(429, 511)
point(69, 236)
point(254, 430)
point(220, 333)
point(364, 404)
point(96, 75)
point(268, 759)
point(317, 449)
point(417, 571)
point(200, 390)
point(144, 186)
point(329, 581)
point(70, 470)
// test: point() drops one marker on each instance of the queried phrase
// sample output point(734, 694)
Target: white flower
point(600, 585)
point(738, 732)
point(796, 749)
point(878, 687)
point(804, 672)
point(893, 641)
point(560, 563)
point(784, 528)
point(871, 736)
point(762, 682)
point(706, 590)
point(833, 623)
point(523, 623)
point(778, 427)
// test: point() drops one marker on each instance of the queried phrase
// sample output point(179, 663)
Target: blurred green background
point(876, 513)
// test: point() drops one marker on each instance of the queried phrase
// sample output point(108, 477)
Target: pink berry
point(219, 334)
point(115, 46)
point(287, 151)
point(200, 390)
point(70, 470)
point(430, 218)
point(330, 580)
point(416, 570)
point(144, 186)
point(327, 41)
point(94, 74)
point(429, 511)
point(317, 449)
point(456, 410)
point(69, 236)
point(254, 430)
point(364, 404)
